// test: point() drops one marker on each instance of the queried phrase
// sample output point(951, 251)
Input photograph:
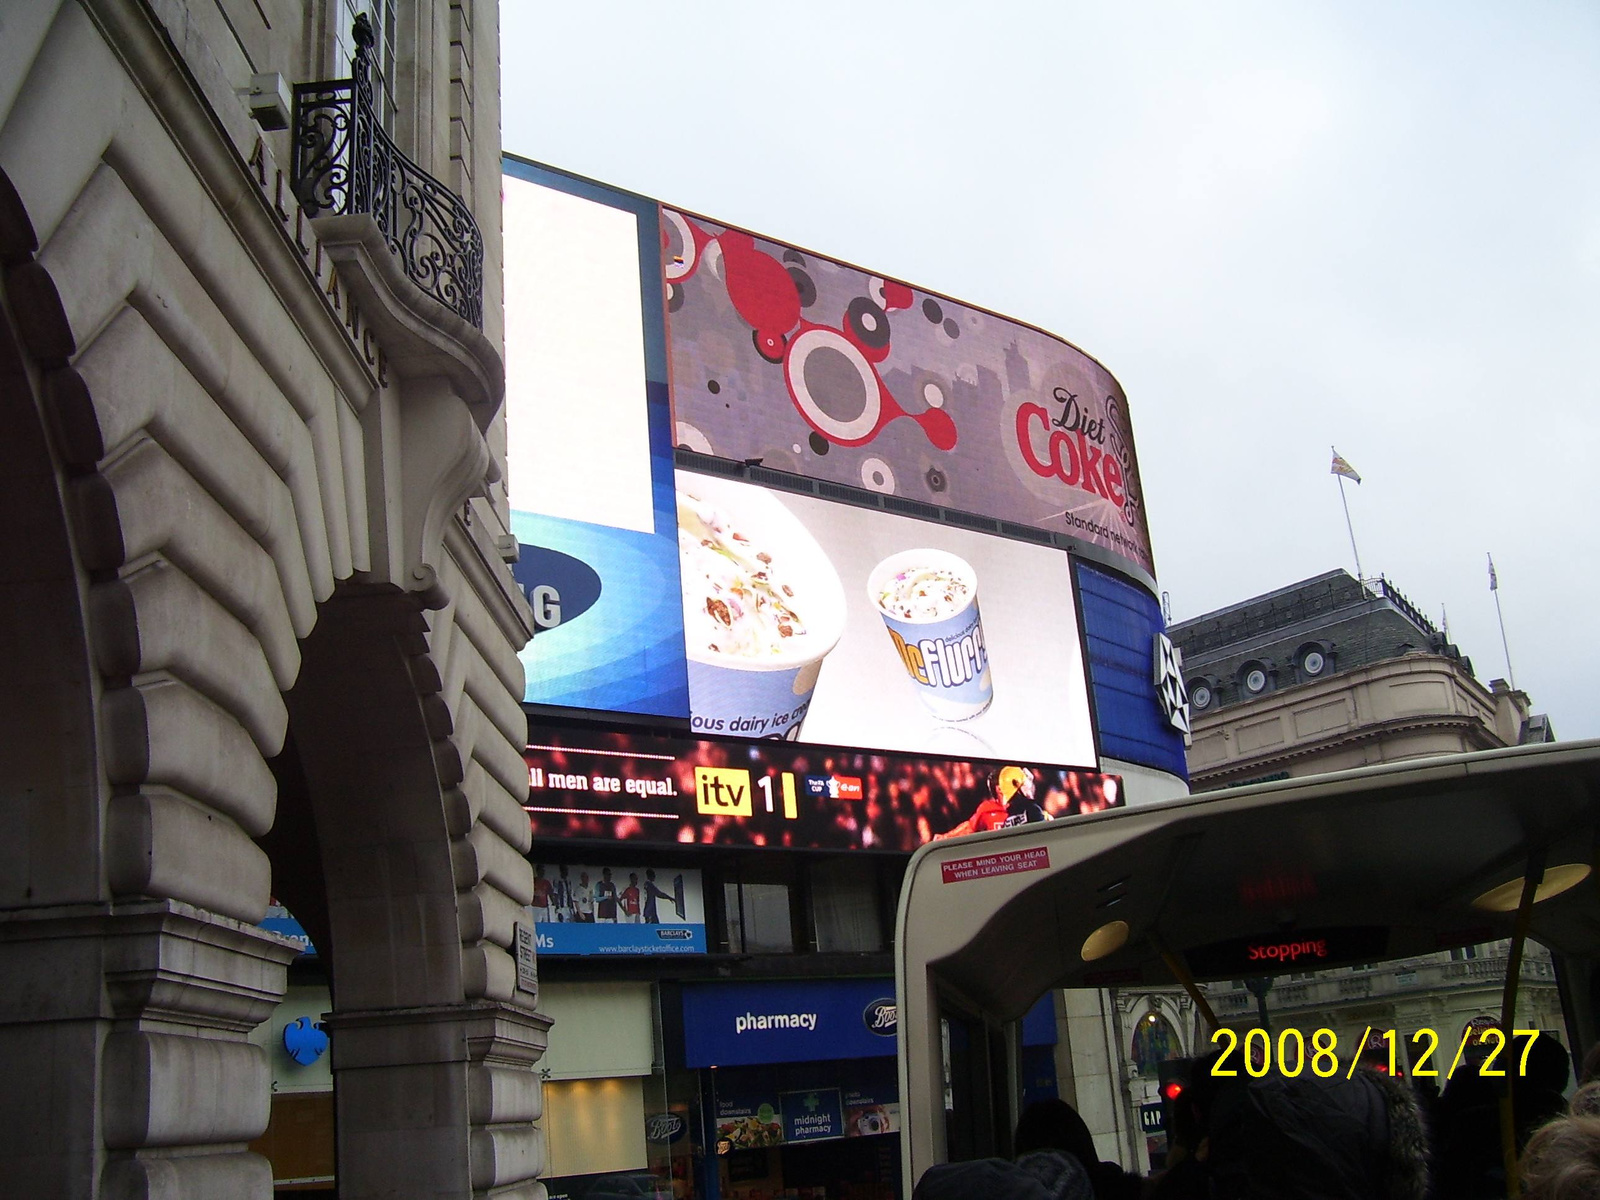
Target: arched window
point(1154, 1041)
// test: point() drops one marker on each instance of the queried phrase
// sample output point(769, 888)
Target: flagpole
point(1349, 526)
point(1494, 586)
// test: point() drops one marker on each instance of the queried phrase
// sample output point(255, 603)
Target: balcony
point(345, 163)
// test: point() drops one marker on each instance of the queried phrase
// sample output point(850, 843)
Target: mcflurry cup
point(929, 601)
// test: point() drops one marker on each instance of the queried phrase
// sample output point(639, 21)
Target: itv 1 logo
point(722, 792)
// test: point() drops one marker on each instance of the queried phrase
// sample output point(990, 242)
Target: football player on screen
point(1010, 802)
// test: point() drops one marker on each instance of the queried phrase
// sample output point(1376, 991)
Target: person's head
point(1191, 1109)
point(1548, 1065)
point(1585, 1101)
point(1059, 1175)
point(1044, 1175)
point(605, 873)
point(583, 878)
point(1012, 782)
point(649, 875)
point(538, 871)
point(1591, 1066)
point(633, 878)
point(563, 869)
point(1054, 1125)
point(1562, 1161)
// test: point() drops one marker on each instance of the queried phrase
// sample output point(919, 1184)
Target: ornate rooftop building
point(1332, 673)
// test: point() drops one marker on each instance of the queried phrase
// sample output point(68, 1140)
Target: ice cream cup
point(944, 654)
point(765, 696)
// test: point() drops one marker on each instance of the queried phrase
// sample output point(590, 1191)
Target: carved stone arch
point(129, 885)
point(172, 625)
point(1155, 1035)
point(370, 740)
point(54, 808)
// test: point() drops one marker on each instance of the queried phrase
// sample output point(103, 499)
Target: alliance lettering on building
point(340, 304)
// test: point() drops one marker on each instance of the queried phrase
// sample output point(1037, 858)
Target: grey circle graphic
point(834, 384)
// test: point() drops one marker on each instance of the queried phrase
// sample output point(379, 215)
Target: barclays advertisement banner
point(788, 1021)
point(617, 910)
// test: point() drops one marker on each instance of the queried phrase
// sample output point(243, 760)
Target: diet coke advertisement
point(808, 365)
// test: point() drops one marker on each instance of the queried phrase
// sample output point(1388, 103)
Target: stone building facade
point(1332, 673)
point(262, 635)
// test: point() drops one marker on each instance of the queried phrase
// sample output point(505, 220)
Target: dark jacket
point(1317, 1139)
point(1045, 1175)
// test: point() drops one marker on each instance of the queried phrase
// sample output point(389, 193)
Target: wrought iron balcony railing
point(344, 162)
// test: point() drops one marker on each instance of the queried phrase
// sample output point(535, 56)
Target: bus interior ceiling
point(1360, 866)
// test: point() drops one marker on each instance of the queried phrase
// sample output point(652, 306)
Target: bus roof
point(1364, 865)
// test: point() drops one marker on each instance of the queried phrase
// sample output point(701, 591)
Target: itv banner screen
point(616, 786)
point(605, 910)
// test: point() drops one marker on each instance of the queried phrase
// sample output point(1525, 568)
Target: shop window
point(595, 1126)
point(846, 911)
point(758, 918)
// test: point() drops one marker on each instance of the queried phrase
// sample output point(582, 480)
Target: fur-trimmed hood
point(1306, 1138)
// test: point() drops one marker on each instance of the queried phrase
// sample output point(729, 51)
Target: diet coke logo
point(882, 1017)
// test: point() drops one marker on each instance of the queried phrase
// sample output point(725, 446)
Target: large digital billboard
point(830, 623)
point(624, 787)
point(589, 446)
point(842, 616)
point(819, 368)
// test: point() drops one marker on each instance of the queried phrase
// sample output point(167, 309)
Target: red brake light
point(1172, 1089)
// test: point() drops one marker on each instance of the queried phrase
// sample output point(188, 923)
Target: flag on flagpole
point(1340, 467)
point(1494, 580)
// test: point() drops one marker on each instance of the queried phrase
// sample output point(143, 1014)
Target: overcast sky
point(1282, 226)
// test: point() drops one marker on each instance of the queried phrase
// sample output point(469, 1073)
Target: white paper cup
point(766, 696)
point(946, 658)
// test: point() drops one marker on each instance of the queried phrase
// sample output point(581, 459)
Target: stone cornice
point(1266, 760)
point(164, 962)
point(1474, 726)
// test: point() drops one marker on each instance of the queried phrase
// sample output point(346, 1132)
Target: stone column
point(123, 1042)
point(460, 1079)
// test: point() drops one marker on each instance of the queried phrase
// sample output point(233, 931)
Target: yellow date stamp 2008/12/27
point(1321, 1055)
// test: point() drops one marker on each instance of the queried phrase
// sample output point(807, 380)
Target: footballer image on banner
point(589, 910)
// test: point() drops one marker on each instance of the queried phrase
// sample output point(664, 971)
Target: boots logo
point(882, 1017)
point(663, 1127)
